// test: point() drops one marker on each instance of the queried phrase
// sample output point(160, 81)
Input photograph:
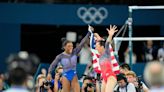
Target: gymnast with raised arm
point(68, 60)
point(108, 75)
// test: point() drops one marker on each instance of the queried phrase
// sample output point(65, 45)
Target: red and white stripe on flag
point(95, 60)
point(115, 65)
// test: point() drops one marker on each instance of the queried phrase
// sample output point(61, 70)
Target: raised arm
point(111, 32)
point(83, 41)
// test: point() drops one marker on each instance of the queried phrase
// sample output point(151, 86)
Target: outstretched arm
point(111, 79)
point(111, 32)
point(83, 41)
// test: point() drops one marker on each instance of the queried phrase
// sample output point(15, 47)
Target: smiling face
point(100, 47)
point(68, 47)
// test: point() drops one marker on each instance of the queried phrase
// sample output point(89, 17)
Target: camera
point(139, 82)
point(47, 83)
point(140, 85)
point(60, 75)
point(89, 85)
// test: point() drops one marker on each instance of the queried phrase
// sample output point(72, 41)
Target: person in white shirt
point(18, 78)
point(154, 76)
point(20, 68)
point(132, 78)
point(161, 53)
point(123, 85)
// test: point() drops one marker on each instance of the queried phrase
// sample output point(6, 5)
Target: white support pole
point(130, 33)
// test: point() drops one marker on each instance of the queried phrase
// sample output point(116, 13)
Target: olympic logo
point(92, 14)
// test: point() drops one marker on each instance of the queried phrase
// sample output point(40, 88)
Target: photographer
point(58, 79)
point(90, 84)
point(87, 84)
point(139, 85)
point(123, 85)
point(43, 85)
point(54, 85)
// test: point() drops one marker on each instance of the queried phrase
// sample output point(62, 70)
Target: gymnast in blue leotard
point(68, 60)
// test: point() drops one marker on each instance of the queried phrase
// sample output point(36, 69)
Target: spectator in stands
point(126, 56)
point(139, 85)
point(68, 60)
point(149, 51)
point(44, 71)
point(86, 58)
point(85, 54)
point(161, 53)
point(123, 85)
point(154, 76)
point(124, 68)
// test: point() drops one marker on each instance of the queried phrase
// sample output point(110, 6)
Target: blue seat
point(80, 70)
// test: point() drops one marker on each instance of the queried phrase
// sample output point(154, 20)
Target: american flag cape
point(96, 56)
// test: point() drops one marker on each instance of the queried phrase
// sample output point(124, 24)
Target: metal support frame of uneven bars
point(138, 38)
point(131, 8)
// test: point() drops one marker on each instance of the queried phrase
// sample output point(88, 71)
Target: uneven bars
point(138, 38)
point(131, 8)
